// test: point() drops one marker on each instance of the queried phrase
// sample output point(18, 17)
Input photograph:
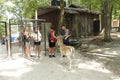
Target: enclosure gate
point(30, 23)
point(5, 34)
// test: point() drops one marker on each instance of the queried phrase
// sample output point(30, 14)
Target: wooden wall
point(51, 17)
point(80, 25)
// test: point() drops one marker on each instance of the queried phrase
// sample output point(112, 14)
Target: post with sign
point(9, 55)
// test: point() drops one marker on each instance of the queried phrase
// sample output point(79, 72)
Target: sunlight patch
point(16, 73)
point(16, 64)
point(92, 65)
point(116, 77)
point(16, 67)
point(113, 53)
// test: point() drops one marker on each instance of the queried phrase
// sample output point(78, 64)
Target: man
point(66, 35)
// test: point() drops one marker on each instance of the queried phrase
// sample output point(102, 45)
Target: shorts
point(37, 43)
point(51, 44)
point(26, 43)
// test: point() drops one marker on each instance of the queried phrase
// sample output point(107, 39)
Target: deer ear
point(60, 36)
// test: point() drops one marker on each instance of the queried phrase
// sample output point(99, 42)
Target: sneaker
point(64, 56)
point(53, 55)
point(50, 56)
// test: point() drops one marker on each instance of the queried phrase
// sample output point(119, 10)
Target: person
point(26, 42)
point(37, 41)
point(65, 33)
point(3, 40)
point(52, 41)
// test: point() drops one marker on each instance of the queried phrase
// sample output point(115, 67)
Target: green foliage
point(2, 30)
point(26, 8)
point(96, 5)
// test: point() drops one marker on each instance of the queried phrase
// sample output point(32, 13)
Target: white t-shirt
point(37, 37)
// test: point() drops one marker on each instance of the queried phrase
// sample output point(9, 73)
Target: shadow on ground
point(107, 53)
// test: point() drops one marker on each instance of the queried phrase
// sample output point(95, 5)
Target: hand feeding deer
point(67, 51)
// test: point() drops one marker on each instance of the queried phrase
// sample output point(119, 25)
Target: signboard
point(115, 23)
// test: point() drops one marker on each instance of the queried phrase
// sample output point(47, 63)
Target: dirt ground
point(94, 60)
point(106, 53)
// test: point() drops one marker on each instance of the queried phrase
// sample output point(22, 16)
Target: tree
point(69, 2)
point(26, 8)
point(109, 9)
point(107, 13)
point(61, 19)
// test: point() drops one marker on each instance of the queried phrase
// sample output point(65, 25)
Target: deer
point(66, 51)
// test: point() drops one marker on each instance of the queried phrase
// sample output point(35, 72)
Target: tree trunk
point(107, 20)
point(61, 19)
point(69, 2)
point(102, 20)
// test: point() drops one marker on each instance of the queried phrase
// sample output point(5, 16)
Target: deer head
point(60, 40)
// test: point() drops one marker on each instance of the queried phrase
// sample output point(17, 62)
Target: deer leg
point(61, 58)
point(70, 62)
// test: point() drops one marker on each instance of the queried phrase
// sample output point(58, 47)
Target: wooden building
point(81, 22)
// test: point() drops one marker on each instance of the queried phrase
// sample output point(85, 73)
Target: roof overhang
point(44, 10)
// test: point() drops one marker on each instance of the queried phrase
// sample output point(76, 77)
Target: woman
point(26, 42)
point(52, 41)
point(37, 41)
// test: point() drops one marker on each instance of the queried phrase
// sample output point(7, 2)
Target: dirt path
point(100, 63)
point(51, 69)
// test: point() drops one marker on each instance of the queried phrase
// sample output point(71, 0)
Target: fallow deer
point(67, 51)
